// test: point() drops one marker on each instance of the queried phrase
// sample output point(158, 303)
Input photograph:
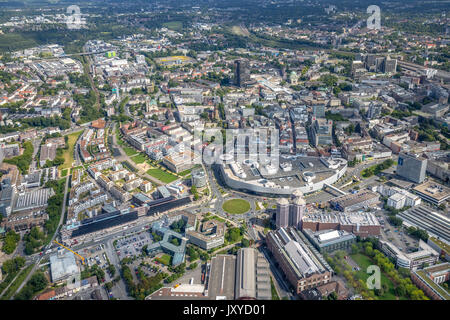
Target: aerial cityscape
point(207, 150)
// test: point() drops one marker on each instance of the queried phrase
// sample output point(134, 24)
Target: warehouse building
point(303, 266)
point(353, 202)
point(252, 275)
point(423, 218)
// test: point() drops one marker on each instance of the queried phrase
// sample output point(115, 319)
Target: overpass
point(325, 185)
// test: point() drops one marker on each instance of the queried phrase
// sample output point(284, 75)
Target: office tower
point(241, 73)
point(412, 167)
point(282, 214)
point(389, 65)
point(321, 131)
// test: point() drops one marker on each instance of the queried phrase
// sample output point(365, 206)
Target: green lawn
point(129, 151)
point(140, 158)
point(68, 154)
point(165, 259)
point(64, 172)
point(162, 176)
point(236, 206)
point(174, 25)
point(185, 172)
point(364, 262)
point(273, 290)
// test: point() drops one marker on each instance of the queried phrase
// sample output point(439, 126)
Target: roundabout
point(236, 206)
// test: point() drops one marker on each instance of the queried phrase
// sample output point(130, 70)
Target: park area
point(364, 262)
point(236, 206)
point(395, 284)
point(164, 259)
point(68, 154)
point(139, 158)
point(162, 175)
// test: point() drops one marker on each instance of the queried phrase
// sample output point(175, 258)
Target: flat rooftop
point(221, 283)
point(433, 190)
point(313, 167)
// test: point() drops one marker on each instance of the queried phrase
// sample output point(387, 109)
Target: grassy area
point(364, 262)
point(257, 206)
point(174, 25)
point(68, 154)
point(64, 172)
point(273, 290)
point(185, 172)
point(15, 285)
point(236, 206)
point(162, 176)
point(140, 158)
point(129, 151)
point(165, 259)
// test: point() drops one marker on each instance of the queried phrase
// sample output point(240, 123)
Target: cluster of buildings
point(91, 145)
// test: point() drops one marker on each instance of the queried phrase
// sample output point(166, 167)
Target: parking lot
point(132, 245)
point(399, 238)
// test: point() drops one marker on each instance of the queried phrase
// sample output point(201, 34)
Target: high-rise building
point(374, 111)
point(412, 167)
point(282, 215)
point(389, 65)
point(241, 73)
point(297, 209)
point(291, 214)
point(321, 131)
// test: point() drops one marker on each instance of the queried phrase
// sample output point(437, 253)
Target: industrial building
point(353, 202)
point(423, 218)
point(303, 266)
point(252, 275)
point(34, 199)
point(330, 240)
point(222, 277)
point(363, 224)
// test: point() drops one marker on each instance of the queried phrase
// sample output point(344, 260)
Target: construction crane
point(82, 258)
